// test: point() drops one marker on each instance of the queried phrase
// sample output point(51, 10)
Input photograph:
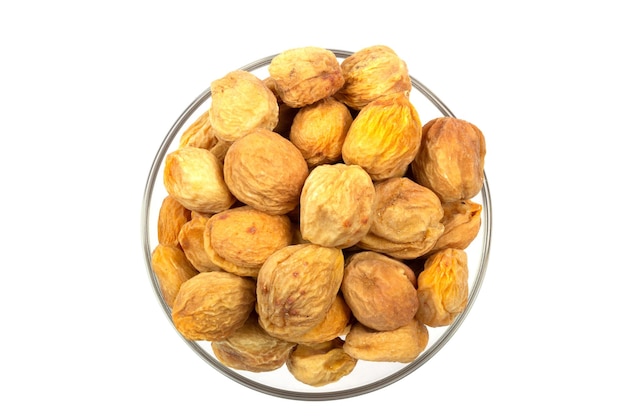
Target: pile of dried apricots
point(312, 221)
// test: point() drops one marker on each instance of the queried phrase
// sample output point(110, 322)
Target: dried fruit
point(251, 349)
point(405, 211)
point(442, 287)
point(213, 305)
point(265, 171)
point(319, 129)
point(239, 240)
point(370, 73)
point(406, 221)
point(451, 159)
point(403, 344)
point(380, 291)
point(296, 287)
point(305, 75)
point(240, 104)
point(311, 221)
point(199, 134)
point(194, 177)
point(333, 218)
point(461, 220)
point(320, 364)
point(384, 137)
point(172, 269)
point(191, 239)
point(335, 324)
point(219, 149)
point(172, 216)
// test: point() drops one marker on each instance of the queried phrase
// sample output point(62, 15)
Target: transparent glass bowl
point(367, 376)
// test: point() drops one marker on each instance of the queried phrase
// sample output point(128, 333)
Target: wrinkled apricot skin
point(403, 344)
point(319, 130)
point(407, 220)
point(213, 305)
point(240, 239)
point(336, 219)
point(296, 287)
point(370, 73)
point(199, 134)
point(172, 269)
point(335, 324)
point(172, 217)
point(240, 104)
point(251, 349)
point(461, 221)
point(302, 76)
point(384, 137)
point(451, 159)
point(320, 364)
point(194, 177)
point(443, 287)
point(379, 290)
point(265, 171)
point(191, 239)
point(404, 211)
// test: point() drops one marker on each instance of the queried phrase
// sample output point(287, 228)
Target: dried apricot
point(384, 137)
point(213, 305)
point(305, 75)
point(296, 288)
point(240, 104)
point(333, 218)
point(265, 171)
point(442, 287)
point(451, 159)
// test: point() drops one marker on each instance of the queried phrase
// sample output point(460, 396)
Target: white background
point(89, 89)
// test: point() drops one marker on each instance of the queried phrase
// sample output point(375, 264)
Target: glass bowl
point(367, 376)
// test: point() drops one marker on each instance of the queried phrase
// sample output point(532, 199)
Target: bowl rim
point(451, 329)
